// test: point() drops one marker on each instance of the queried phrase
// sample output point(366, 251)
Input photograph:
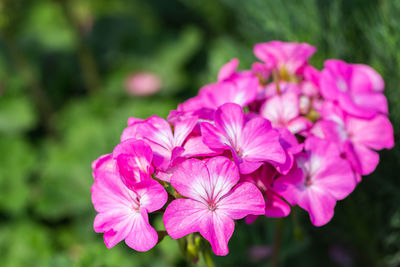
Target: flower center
point(308, 181)
point(212, 206)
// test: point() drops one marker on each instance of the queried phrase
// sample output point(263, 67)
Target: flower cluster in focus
point(255, 143)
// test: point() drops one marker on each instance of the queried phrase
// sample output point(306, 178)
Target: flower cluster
point(256, 142)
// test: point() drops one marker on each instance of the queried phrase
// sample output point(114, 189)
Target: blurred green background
point(63, 103)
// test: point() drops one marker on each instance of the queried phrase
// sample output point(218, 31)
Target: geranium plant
point(255, 143)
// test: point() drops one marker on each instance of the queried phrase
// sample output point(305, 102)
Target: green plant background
point(62, 104)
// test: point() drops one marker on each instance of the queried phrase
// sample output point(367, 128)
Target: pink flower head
point(211, 204)
point(263, 178)
point(252, 143)
point(357, 88)
point(357, 138)
point(322, 178)
point(286, 58)
point(123, 213)
point(143, 84)
point(284, 111)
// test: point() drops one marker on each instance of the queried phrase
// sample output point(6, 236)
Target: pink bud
point(142, 84)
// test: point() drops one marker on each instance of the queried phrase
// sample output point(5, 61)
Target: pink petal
point(336, 177)
point(275, 206)
point(290, 185)
point(194, 147)
point(347, 103)
point(152, 196)
point(111, 237)
point(298, 125)
point(229, 120)
point(319, 205)
point(330, 130)
point(281, 109)
point(213, 137)
point(242, 90)
point(109, 191)
point(103, 164)
point(335, 78)
point(184, 216)
point(261, 143)
point(223, 176)
point(376, 133)
point(362, 159)
point(218, 229)
point(247, 166)
point(250, 219)
point(133, 158)
point(291, 55)
point(228, 69)
point(142, 236)
point(371, 101)
point(158, 131)
point(366, 78)
point(322, 148)
point(133, 131)
point(243, 200)
point(192, 179)
point(182, 129)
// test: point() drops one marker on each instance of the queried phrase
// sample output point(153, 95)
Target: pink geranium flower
point(284, 111)
point(211, 204)
point(357, 138)
point(167, 144)
point(286, 58)
point(170, 145)
point(322, 178)
point(123, 213)
point(251, 143)
point(357, 88)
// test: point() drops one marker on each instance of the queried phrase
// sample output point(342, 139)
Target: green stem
point(275, 77)
point(277, 243)
point(208, 260)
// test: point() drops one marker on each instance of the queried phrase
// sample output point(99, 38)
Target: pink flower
point(122, 213)
point(357, 88)
point(211, 204)
point(133, 159)
point(164, 142)
point(143, 84)
point(252, 143)
point(284, 111)
point(322, 178)
point(286, 58)
point(357, 138)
